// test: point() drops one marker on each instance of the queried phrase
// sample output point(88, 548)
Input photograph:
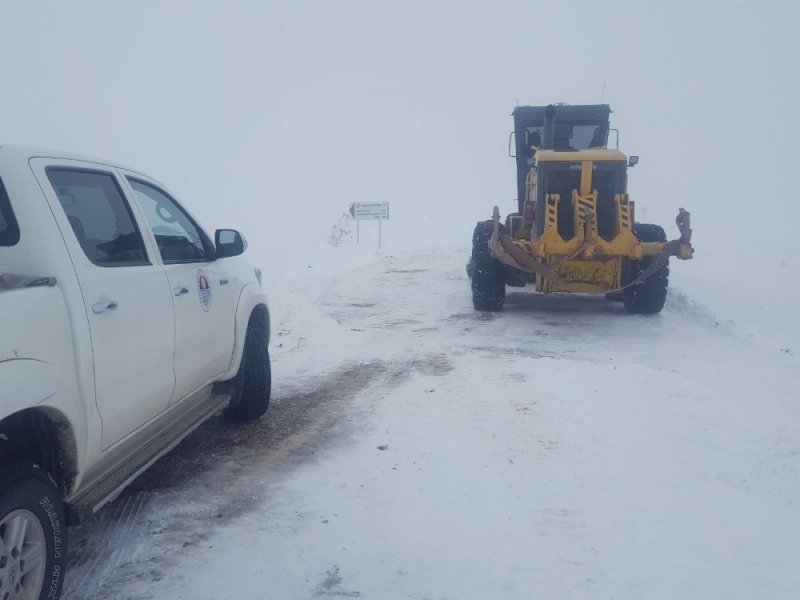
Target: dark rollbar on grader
point(574, 229)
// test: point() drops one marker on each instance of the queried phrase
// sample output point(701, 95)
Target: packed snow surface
point(416, 448)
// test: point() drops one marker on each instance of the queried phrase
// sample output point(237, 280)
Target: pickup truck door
point(126, 293)
point(204, 292)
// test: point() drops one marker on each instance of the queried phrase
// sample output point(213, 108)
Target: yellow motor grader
point(574, 230)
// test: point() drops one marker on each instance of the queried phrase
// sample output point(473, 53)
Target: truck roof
point(574, 114)
point(18, 153)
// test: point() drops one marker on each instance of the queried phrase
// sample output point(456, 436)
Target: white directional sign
point(362, 211)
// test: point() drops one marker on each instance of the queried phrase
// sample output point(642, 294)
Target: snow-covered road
point(418, 449)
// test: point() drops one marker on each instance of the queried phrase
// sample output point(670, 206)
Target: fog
point(597, 454)
point(273, 117)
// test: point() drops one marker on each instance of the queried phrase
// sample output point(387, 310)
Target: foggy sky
point(273, 116)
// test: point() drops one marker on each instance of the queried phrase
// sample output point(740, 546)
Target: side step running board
point(110, 486)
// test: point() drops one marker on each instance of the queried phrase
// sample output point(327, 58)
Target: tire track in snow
point(208, 478)
point(222, 471)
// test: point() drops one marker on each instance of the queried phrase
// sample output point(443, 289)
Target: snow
point(754, 296)
point(561, 448)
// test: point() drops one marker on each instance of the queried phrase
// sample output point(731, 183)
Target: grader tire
point(487, 273)
point(649, 296)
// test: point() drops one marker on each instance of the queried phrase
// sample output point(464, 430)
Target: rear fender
point(32, 384)
point(28, 383)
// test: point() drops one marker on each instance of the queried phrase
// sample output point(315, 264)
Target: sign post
point(369, 211)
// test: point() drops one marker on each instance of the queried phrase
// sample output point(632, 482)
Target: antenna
point(603, 93)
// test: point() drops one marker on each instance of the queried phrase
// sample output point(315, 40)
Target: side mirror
point(229, 242)
point(633, 161)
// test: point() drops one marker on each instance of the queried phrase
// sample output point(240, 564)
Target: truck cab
point(123, 326)
point(578, 127)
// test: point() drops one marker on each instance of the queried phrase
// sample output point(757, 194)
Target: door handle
point(101, 307)
point(223, 282)
point(180, 291)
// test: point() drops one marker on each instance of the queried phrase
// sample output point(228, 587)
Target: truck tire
point(649, 296)
point(488, 275)
point(33, 535)
point(253, 384)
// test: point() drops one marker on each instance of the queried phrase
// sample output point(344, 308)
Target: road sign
point(362, 211)
point(369, 211)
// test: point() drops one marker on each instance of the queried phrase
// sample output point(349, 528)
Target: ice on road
point(415, 448)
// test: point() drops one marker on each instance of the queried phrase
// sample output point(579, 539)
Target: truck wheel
point(33, 534)
point(488, 275)
point(649, 296)
point(253, 384)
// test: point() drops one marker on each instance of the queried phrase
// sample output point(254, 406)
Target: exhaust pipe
point(549, 129)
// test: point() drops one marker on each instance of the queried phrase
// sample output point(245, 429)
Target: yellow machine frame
point(587, 262)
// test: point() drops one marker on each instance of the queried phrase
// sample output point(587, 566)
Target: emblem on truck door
point(203, 290)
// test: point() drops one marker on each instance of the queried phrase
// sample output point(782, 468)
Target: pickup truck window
point(9, 231)
point(99, 216)
point(179, 238)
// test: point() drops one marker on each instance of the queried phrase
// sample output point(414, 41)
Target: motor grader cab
point(574, 229)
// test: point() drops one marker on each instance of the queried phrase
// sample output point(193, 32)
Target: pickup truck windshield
point(179, 239)
point(9, 232)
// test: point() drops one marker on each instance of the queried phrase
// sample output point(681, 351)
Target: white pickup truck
point(123, 326)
